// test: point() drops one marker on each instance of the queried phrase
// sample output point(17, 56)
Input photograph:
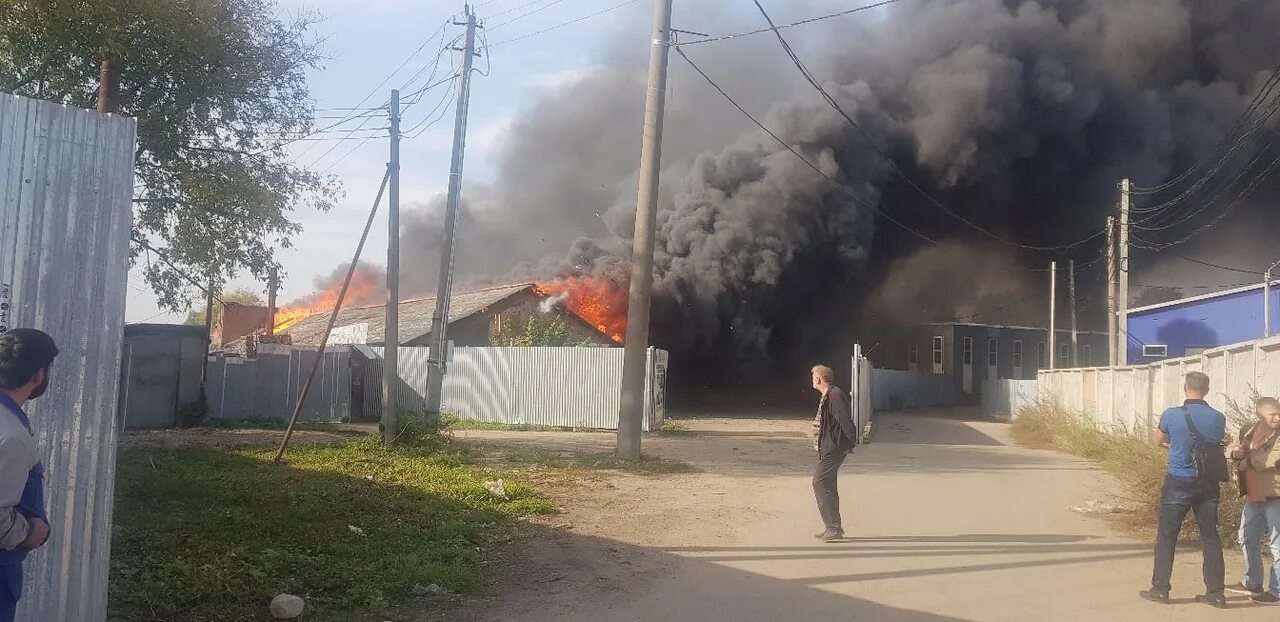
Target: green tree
point(537, 330)
point(240, 296)
point(218, 88)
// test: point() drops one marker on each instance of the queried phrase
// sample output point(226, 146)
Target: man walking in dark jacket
point(837, 434)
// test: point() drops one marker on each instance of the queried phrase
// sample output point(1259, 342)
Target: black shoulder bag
point(1210, 458)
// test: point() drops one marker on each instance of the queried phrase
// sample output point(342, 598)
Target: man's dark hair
point(23, 352)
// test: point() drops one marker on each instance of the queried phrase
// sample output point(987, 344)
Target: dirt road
point(947, 521)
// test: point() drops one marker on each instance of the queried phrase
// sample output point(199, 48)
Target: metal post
point(1122, 278)
point(631, 404)
point(1071, 299)
point(1053, 313)
point(1113, 353)
point(391, 325)
point(1266, 299)
point(444, 287)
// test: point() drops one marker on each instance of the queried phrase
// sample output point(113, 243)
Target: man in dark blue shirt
point(1185, 492)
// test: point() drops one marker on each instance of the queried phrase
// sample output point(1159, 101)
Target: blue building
point(1192, 325)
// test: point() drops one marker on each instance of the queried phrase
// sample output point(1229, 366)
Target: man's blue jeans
point(1261, 520)
point(1180, 496)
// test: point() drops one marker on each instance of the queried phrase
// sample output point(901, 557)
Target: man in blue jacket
point(25, 359)
point(1185, 492)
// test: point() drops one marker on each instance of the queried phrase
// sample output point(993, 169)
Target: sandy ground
point(947, 521)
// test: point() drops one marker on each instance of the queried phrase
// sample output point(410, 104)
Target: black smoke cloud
point(1021, 115)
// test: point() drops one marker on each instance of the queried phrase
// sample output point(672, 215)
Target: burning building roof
point(367, 324)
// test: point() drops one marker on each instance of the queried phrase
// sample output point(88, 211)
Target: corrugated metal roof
point(66, 190)
point(415, 315)
point(1222, 294)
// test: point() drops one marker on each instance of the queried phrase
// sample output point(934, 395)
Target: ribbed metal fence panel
point(565, 387)
point(267, 388)
point(66, 184)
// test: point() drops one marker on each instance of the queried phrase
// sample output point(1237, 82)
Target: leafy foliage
point(536, 330)
point(218, 88)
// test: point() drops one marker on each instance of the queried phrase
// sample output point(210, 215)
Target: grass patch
point(1138, 464)
point(453, 422)
point(203, 534)
point(672, 426)
point(524, 456)
point(266, 424)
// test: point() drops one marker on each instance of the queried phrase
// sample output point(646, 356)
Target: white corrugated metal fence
point(66, 185)
point(566, 387)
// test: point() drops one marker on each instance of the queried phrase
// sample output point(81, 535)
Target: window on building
point(1155, 350)
point(993, 352)
point(1086, 355)
point(937, 351)
point(1041, 358)
point(1017, 353)
point(968, 351)
point(1195, 350)
point(913, 353)
point(1064, 355)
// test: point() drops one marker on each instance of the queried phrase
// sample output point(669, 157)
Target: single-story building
point(237, 320)
point(972, 353)
point(478, 318)
point(1190, 326)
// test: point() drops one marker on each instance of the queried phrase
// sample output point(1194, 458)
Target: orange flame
point(366, 288)
point(597, 301)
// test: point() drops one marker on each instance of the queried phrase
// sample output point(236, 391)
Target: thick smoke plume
point(1022, 115)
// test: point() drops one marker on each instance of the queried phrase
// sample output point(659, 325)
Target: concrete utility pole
point(444, 288)
point(1071, 297)
point(1053, 315)
point(109, 86)
point(391, 325)
point(1113, 354)
point(1266, 300)
point(1122, 293)
point(634, 367)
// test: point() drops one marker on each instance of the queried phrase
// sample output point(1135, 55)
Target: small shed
point(160, 374)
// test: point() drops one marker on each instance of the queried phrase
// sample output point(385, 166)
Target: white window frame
point(1155, 350)
point(1017, 353)
point(993, 352)
point(939, 353)
point(966, 357)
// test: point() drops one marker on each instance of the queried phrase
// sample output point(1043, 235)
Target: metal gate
point(860, 393)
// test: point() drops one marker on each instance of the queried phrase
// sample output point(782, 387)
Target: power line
point(813, 81)
point(793, 151)
point(793, 24)
point(1214, 265)
point(568, 23)
point(526, 15)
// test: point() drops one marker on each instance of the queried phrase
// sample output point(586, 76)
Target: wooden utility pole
point(1071, 298)
point(1122, 278)
point(1053, 315)
point(109, 86)
point(273, 288)
point(635, 367)
point(1113, 351)
point(208, 337)
point(391, 325)
point(444, 287)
